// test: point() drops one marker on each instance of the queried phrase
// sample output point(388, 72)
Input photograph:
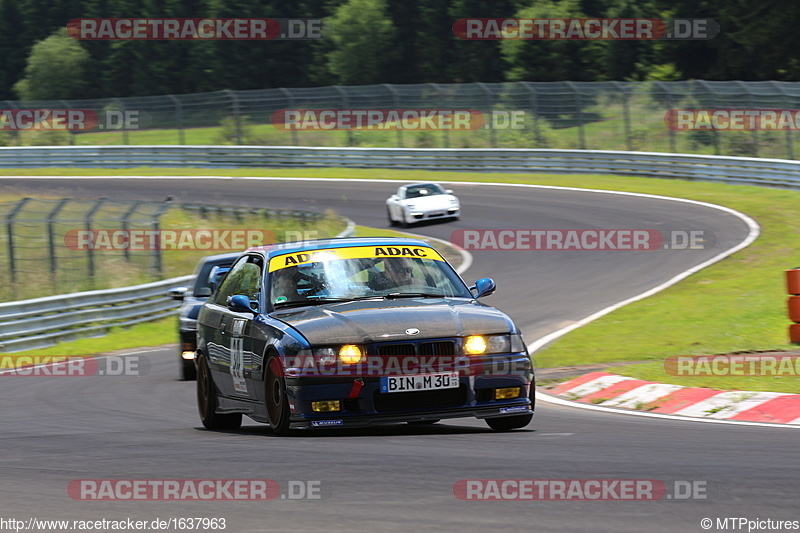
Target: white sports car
point(421, 201)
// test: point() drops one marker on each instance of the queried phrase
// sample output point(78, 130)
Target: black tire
point(188, 370)
point(207, 401)
point(392, 222)
point(424, 422)
point(507, 423)
point(277, 405)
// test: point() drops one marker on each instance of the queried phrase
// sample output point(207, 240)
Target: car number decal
point(237, 356)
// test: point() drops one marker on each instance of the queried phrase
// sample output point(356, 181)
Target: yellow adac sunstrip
point(356, 252)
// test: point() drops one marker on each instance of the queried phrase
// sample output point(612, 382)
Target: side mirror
point(449, 191)
point(203, 292)
point(216, 276)
point(483, 287)
point(177, 293)
point(240, 304)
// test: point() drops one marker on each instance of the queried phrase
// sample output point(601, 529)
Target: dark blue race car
point(353, 333)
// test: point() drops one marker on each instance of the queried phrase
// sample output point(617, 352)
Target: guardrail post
point(236, 117)
point(51, 245)
point(178, 117)
point(88, 220)
point(10, 232)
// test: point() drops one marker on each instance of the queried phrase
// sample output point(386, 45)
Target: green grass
point(738, 304)
point(118, 338)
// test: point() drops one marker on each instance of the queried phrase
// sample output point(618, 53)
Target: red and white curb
point(611, 390)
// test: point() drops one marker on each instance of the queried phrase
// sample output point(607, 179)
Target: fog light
point(187, 355)
point(326, 406)
point(507, 393)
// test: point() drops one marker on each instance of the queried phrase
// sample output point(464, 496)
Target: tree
point(12, 47)
point(56, 69)
point(363, 39)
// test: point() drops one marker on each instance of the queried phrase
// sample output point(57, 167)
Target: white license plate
point(447, 380)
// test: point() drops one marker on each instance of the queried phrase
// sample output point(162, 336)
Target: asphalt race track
point(395, 478)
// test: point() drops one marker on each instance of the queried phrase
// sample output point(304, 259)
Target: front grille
point(431, 399)
point(396, 349)
point(437, 348)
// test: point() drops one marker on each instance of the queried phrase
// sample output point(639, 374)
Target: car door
point(396, 205)
point(232, 358)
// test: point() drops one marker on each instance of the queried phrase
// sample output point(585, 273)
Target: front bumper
point(418, 215)
point(363, 404)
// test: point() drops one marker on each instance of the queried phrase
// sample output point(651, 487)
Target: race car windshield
point(419, 191)
point(351, 279)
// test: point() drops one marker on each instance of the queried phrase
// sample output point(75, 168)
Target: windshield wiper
point(312, 300)
point(394, 295)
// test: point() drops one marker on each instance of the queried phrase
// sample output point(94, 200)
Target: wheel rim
point(275, 393)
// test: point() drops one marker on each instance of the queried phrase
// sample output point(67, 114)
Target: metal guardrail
point(41, 322)
point(755, 171)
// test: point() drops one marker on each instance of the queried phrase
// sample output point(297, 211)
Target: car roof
point(221, 257)
point(271, 250)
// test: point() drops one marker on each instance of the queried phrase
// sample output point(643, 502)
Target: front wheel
point(275, 397)
point(207, 401)
point(507, 423)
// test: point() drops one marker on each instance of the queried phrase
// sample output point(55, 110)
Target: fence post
point(439, 105)
point(396, 105)
point(290, 103)
point(489, 103)
point(236, 117)
point(132, 209)
point(51, 245)
point(344, 105)
point(69, 130)
point(10, 232)
point(158, 265)
point(787, 104)
point(88, 220)
point(125, 139)
point(178, 117)
point(670, 131)
point(579, 114)
point(626, 115)
point(534, 101)
point(750, 105)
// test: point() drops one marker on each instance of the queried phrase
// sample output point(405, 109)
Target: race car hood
point(372, 321)
point(430, 202)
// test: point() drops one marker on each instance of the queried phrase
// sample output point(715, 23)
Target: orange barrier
point(793, 288)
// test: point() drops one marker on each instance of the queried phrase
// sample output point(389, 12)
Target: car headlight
point(487, 344)
point(348, 354)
